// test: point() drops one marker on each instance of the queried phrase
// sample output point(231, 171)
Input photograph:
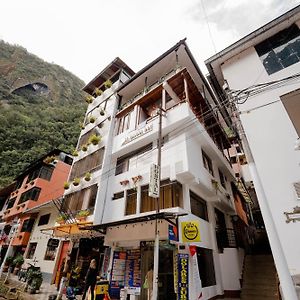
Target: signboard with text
point(190, 231)
point(154, 183)
point(183, 276)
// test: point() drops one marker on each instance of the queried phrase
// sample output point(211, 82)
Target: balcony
point(226, 238)
point(21, 239)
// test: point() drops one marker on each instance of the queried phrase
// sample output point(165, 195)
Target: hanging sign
point(183, 276)
point(154, 183)
point(173, 233)
point(190, 231)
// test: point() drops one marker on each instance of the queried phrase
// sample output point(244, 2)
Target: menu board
point(133, 268)
point(118, 271)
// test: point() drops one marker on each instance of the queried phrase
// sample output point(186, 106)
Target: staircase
point(259, 278)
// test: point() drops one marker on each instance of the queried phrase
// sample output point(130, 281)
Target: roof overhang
point(48, 204)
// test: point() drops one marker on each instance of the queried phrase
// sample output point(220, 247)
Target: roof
point(214, 63)
point(111, 69)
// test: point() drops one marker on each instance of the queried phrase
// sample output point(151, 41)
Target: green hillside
point(41, 105)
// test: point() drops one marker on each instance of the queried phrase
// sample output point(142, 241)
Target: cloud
point(240, 17)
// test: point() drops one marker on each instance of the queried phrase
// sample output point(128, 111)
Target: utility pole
point(156, 243)
point(286, 282)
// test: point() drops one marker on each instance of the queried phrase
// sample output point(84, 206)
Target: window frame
point(42, 222)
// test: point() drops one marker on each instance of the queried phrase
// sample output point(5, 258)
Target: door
point(61, 261)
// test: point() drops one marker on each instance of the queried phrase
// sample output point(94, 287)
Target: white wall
point(271, 136)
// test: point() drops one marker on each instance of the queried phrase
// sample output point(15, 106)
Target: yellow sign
point(190, 231)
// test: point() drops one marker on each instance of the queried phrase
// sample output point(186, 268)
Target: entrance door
point(61, 261)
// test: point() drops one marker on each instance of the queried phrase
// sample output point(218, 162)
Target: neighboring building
point(38, 184)
point(197, 181)
point(260, 72)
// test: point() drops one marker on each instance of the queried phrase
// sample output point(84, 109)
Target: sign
point(118, 273)
point(133, 270)
point(183, 276)
point(154, 183)
point(196, 281)
point(53, 243)
point(137, 133)
point(173, 233)
point(190, 231)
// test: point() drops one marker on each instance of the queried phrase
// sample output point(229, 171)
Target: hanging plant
point(89, 99)
point(108, 83)
point(87, 176)
point(66, 185)
point(102, 111)
point(95, 139)
point(92, 119)
point(124, 182)
point(75, 153)
point(215, 184)
point(81, 125)
point(61, 219)
point(101, 125)
point(82, 214)
point(76, 181)
point(84, 147)
point(98, 92)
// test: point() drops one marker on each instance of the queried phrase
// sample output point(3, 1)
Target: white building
point(196, 180)
point(263, 70)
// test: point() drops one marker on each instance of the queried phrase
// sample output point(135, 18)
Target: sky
point(85, 36)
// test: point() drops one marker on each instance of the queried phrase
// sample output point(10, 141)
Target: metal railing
point(226, 238)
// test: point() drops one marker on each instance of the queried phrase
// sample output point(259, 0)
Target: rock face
point(41, 105)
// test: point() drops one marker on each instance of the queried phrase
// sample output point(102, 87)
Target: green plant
point(89, 99)
point(88, 176)
point(9, 260)
point(102, 111)
point(98, 92)
point(84, 147)
point(75, 153)
point(92, 119)
point(76, 181)
point(61, 218)
point(49, 159)
point(108, 83)
point(81, 125)
point(35, 279)
point(94, 139)
point(18, 260)
point(83, 213)
point(66, 185)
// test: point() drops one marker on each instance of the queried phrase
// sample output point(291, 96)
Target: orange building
point(40, 182)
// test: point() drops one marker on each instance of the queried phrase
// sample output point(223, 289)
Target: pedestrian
point(90, 279)
point(148, 284)
point(66, 265)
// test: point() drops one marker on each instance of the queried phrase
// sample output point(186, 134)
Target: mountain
point(41, 106)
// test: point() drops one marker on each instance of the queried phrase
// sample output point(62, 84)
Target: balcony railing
point(226, 238)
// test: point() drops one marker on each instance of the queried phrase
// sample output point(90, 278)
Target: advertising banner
point(190, 231)
point(183, 277)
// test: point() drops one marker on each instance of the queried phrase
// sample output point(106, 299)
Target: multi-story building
point(260, 74)
point(197, 191)
point(39, 184)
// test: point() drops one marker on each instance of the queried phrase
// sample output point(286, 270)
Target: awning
point(69, 229)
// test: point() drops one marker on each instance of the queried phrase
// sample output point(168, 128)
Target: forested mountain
point(41, 106)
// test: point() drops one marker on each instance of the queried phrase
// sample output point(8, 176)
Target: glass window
point(207, 163)
point(32, 194)
point(223, 179)
point(50, 252)
point(31, 250)
point(11, 202)
point(131, 202)
point(27, 225)
point(44, 172)
point(119, 195)
point(44, 219)
point(281, 50)
point(198, 206)
point(123, 123)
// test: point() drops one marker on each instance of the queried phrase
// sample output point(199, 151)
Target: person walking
point(90, 279)
point(148, 284)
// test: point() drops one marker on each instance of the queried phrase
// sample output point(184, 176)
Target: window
point(19, 183)
point(170, 196)
point(123, 123)
point(118, 196)
point(44, 219)
point(50, 252)
point(233, 159)
point(95, 111)
point(281, 50)
point(198, 206)
point(11, 202)
point(124, 162)
point(207, 163)
point(223, 179)
point(32, 194)
point(85, 138)
point(131, 202)
point(206, 266)
point(90, 163)
point(27, 225)
point(44, 172)
point(31, 250)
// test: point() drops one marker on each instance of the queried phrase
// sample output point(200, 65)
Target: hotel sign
point(190, 231)
point(154, 183)
point(137, 133)
point(183, 277)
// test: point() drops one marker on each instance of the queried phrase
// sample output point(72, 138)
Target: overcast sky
point(84, 36)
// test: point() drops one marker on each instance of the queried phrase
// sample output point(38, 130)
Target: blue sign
point(183, 276)
point(173, 233)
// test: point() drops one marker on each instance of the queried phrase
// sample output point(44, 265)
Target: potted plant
point(82, 215)
point(34, 282)
point(18, 262)
point(108, 83)
point(89, 99)
point(88, 176)
point(92, 119)
point(49, 159)
point(76, 181)
point(84, 147)
point(95, 139)
point(81, 125)
point(66, 185)
point(98, 91)
point(75, 153)
point(61, 219)
point(102, 111)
